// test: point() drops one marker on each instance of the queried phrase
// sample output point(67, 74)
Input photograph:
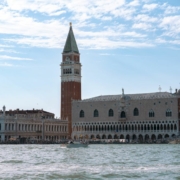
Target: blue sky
point(130, 44)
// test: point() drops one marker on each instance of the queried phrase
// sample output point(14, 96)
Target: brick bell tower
point(70, 77)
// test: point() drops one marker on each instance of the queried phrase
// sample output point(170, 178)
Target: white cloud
point(105, 54)
point(50, 31)
point(146, 18)
point(126, 13)
point(8, 50)
point(105, 43)
point(171, 25)
point(143, 26)
point(42, 6)
point(4, 46)
point(150, 7)
point(6, 65)
point(106, 18)
point(5, 57)
point(160, 40)
point(134, 3)
point(170, 9)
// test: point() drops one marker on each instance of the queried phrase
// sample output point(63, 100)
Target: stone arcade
point(127, 116)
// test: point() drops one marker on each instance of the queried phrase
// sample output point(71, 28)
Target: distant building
point(31, 124)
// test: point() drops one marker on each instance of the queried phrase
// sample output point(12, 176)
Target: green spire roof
point(70, 45)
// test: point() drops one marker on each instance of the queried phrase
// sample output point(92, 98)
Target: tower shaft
point(70, 77)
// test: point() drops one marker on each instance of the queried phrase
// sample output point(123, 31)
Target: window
point(96, 113)
point(151, 113)
point(123, 114)
point(111, 113)
point(67, 71)
point(81, 114)
point(168, 113)
point(136, 112)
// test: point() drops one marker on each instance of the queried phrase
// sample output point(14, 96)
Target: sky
point(130, 44)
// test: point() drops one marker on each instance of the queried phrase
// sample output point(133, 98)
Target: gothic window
point(168, 113)
point(96, 113)
point(151, 113)
point(81, 114)
point(136, 112)
point(111, 113)
point(123, 114)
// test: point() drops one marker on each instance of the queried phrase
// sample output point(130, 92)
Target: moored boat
point(75, 144)
point(172, 142)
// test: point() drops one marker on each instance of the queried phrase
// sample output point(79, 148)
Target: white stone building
point(33, 124)
point(140, 117)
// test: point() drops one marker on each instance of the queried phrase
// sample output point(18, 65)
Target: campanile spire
point(70, 77)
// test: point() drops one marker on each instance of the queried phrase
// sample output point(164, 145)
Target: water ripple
point(95, 162)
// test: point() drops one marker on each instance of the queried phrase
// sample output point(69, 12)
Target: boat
point(174, 141)
point(75, 144)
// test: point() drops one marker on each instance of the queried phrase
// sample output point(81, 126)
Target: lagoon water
point(95, 162)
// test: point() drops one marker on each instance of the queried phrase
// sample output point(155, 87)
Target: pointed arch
point(161, 127)
point(111, 113)
point(164, 126)
point(158, 127)
point(123, 114)
point(168, 113)
point(109, 136)
point(171, 127)
point(132, 127)
point(136, 112)
point(96, 113)
point(115, 136)
point(145, 127)
point(135, 127)
point(81, 114)
point(121, 136)
point(151, 113)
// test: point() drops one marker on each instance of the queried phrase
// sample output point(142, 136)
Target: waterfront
point(123, 161)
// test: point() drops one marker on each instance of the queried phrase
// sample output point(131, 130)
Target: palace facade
point(127, 116)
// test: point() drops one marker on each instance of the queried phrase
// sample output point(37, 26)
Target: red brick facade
point(69, 91)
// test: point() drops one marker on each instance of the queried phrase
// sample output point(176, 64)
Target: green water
point(95, 162)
